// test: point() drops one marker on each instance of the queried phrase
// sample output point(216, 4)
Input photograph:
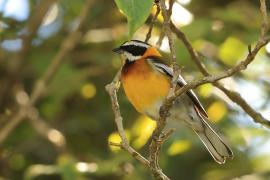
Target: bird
point(146, 78)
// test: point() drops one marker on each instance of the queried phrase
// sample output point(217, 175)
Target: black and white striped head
point(132, 50)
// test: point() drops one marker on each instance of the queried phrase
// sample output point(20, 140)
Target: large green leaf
point(136, 12)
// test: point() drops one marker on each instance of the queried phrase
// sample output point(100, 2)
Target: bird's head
point(134, 50)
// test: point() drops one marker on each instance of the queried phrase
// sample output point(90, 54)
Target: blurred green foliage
point(76, 105)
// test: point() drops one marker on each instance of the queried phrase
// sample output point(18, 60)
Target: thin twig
point(167, 134)
point(158, 137)
point(230, 72)
point(155, 146)
point(112, 89)
point(166, 26)
point(237, 98)
point(264, 26)
point(160, 39)
point(148, 35)
point(194, 55)
point(234, 96)
point(115, 144)
point(249, 49)
point(162, 34)
point(39, 87)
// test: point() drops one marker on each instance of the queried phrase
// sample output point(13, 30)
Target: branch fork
point(158, 136)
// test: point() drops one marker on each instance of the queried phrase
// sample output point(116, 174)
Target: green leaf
point(136, 12)
point(232, 50)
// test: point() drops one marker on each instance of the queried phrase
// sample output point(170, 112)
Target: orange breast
point(143, 86)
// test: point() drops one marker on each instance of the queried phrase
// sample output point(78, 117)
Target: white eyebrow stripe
point(136, 44)
point(131, 57)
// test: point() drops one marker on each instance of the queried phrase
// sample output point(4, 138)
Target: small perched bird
point(146, 82)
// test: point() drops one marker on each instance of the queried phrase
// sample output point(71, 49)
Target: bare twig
point(264, 26)
point(249, 49)
point(112, 89)
point(234, 96)
point(160, 39)
point(167, 134)
point(166, 26)
point(230, 72)
point(158, 137)
point(155, 146)
point(148, 35)
point(162, 34)
point(67, 45)
point(194, 55)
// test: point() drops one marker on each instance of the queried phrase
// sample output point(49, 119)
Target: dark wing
point(159, 64)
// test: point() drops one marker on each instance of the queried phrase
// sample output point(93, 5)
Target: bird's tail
point(218, 149)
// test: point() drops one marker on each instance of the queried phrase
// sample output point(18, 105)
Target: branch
point(230, 72)
point(158, 137)
point(194, 55)
point(40, 85)
point(166, 26)
point(162, 34)
point(264, 26)
point(112, 89)
point(155, 146)
point(148, 35)
point(234, 96)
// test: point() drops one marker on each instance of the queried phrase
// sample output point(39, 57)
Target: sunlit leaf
point(217, 111)
point(205, 90)
point(159, 17)
point(142, 129)
point(232, 50)
point(136, 12)
point(88, 91)
point(179, 147)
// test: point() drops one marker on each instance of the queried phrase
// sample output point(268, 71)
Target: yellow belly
point(144, 89)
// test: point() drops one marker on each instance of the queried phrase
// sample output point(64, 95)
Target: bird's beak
point(117, 50)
